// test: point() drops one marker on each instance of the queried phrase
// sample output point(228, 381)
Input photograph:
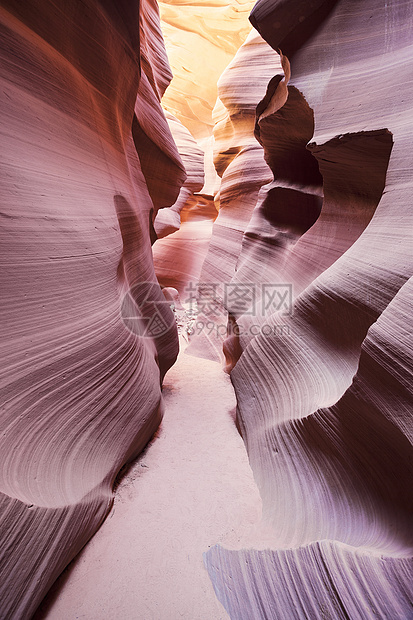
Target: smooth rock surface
point(239, 160)
point(191, 488)
point(168, 219)
point(201, 39)
point(80, 393)
point(305, 288)
point(322, 388)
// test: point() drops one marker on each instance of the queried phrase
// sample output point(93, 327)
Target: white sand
point(191, 489)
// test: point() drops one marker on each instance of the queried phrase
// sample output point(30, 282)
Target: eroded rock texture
point(87, 158)
point(324, 386)
point(239, 160)
point(168, 219)
point(201, 39)
point(309, 262)
point(184, 229)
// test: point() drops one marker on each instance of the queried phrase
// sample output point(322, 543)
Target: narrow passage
point(190, 489)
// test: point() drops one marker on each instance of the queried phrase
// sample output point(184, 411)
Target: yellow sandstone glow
point(201, 39)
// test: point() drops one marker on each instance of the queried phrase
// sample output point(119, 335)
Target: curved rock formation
point(324, 385)
point(168, 220)
point(307, 279)
point(80, 392)
point(184, 229)
point(239, 160)
point(215, 30)
point(340, 476)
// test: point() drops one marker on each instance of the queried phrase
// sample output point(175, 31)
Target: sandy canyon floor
point(191, 488)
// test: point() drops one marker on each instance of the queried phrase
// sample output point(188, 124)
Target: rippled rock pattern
point(184, 229)
point(239, 160)
point(168, 219)
point(325, 390)
point(313, 142)
point(81, 130)
point(201, 39)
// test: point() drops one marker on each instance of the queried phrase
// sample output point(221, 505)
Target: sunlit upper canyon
point(206, 298)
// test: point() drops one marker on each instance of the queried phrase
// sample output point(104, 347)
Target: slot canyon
point(206, 234)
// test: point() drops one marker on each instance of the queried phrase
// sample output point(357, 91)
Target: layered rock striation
point(305, 287)
point(87, 159)
point(324, 384)
point(239, 161)
point(201, 39)
point(184, 229)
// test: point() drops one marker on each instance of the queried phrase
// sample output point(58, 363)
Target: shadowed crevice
point(289, 25)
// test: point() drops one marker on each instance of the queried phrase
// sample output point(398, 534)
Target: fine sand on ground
point(190, 489)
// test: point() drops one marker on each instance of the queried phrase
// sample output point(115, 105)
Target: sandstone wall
point(81, 128)
point(324, 391)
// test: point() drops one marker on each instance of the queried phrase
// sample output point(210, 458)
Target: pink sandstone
point(102, 197)
point(324, 391)
point(80, 392)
